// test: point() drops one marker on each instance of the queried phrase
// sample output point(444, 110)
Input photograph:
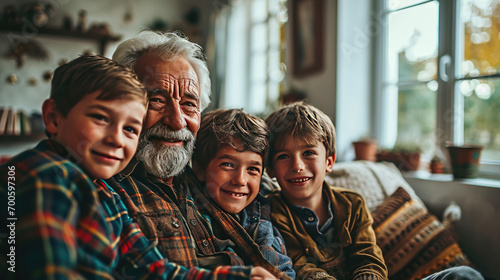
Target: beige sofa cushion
point(375, 181)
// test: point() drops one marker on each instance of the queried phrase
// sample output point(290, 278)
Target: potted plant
point(365, 149)
point(436, 165)
point(464, 160)
point(405, 156)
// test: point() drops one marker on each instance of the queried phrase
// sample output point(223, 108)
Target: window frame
point(450, 102)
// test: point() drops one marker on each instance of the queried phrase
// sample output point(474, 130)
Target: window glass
point(413, 43)
point(481, 25)
point(258, 65)
point(469, 102)
point(259, 38)
point(482, 115)
point(259, 10)
point(417, 116)
point(481, 57)
point(257, 96)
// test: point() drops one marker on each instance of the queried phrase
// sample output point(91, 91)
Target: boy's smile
point(300, 170)
point(101, 135)
point(232, 178)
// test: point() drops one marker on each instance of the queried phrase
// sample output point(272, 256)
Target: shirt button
point(205, 242)
point(307, 251)
point(310, 219)
point(193, 222)
point(175, 224)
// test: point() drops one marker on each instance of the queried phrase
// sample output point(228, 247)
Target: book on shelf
point(4, 111)
point(16, 122)
point(9, 125)
point(25, 124)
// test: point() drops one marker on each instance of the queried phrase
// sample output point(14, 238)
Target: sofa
point(415, 243)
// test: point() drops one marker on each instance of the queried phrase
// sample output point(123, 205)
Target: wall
point(343, 90)
point(479, 228)
point(113, 12)
point(320, 87)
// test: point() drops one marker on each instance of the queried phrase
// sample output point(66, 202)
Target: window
point(441, 75)
point(249, 45)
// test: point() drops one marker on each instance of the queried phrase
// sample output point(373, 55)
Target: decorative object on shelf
point(30, 48)
point(100, 29)
point(36, 13)
point(67, 22)
point(405, 156)
point(436, 166)
point(81, 25)
point(464, 160)
point(63, 61)
point(32, 82)
point(12, 79)
point(128, 16)
point(365, 149)
point(158, 24)
point(47, 75)
point(9, 15)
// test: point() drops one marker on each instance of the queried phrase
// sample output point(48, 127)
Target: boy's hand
point(259, 273)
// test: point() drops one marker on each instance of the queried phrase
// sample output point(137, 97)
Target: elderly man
point(155, 185)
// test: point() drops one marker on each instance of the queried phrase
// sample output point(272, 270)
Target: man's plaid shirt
point(176, 217)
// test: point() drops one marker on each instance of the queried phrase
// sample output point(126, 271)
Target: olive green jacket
point(353, 255)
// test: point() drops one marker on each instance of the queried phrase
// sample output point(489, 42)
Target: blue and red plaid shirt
point(68, 227)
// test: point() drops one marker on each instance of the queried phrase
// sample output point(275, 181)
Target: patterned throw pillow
point(414, 242)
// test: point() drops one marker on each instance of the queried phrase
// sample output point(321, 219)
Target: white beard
point(161, 161)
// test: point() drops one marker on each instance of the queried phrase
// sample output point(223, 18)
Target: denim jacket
point(256, 220)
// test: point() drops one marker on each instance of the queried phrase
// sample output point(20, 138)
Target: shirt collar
point(129, 169)
point(310, 219)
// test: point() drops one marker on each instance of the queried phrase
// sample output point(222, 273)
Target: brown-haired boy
point(229, 159)
point(67, 226)
point(327, 230)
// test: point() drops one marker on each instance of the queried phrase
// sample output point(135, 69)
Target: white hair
point(167, 46)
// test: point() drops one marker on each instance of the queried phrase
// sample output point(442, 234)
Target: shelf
point(22, 138)
point(102, 40)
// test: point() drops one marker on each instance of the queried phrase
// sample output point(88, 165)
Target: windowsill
point(425, 175)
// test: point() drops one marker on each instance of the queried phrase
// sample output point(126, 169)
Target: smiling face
point(300, 170)
point(173, 116)
point(173, 93)
point(101, 135)
point(232, 178)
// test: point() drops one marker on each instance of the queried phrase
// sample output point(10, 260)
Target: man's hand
point(259, 273)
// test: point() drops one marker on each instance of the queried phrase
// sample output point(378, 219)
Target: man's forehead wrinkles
point(167, 76)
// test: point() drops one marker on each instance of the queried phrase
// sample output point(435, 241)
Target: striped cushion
point(414, 242)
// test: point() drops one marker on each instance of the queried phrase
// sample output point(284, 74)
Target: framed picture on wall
point(307, 36)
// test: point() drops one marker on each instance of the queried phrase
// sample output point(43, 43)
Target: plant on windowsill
point(406, 156)
point(436, 166)
point(365, 149)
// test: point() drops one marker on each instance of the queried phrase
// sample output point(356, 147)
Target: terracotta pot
point(365, 150)
point(437, 167)
point(464, 160)
point(404, 161)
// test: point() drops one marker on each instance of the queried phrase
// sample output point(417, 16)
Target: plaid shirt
point(169, 216)
point(67, 227)
point(184, 231)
